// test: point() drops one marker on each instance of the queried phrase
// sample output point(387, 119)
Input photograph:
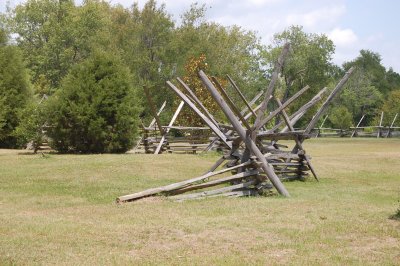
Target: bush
point(396, 215)
point(391, 107)
point(95, 110)
point(341, 118)
point(31, 129)
point(15, 91)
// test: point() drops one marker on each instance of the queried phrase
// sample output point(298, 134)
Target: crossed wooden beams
point(256, 165)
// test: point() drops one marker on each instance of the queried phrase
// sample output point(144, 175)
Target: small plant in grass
point(369, 130)
point(396, 216)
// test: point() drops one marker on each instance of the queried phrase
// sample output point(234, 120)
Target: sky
point(351, 25)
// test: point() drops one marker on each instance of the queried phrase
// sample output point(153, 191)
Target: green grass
point(59, 209)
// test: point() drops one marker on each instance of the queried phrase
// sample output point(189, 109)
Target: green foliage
point(55, 35)
point(369, 66)
point(193, 66)
point(309, 63)
point(393, 79)
point(43, 35)
point(360, 97)
point(396, 215)
point(31, 128)
point(95, 110)
point(391, 107)
point(229, 50)
point(14, 91)
point(370, 87)
point(340, 117)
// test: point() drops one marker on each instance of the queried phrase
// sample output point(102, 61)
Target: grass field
point(59, 209)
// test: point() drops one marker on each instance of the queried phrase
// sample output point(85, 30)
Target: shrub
point(31, 129)
point(15, 91)
point(341, 118)
point(95, 110)
point(396, 215)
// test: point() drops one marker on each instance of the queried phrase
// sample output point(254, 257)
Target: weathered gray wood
point(282, 135)
point(298, 142)
point(175, 186)
point(213, 192)
point(238, 193)
point(230, 103)
point(391, 126)
point(230, 132)
point(217, 182)
point(355, 130)
point(153, 121)
point(245, 192)
point(241, 95)
point(279, 109)
point(253, 101)
point(325, 105)
point(302, 110)
point(250, 113)
point(284, 156)
point(186, 128)
point(268, 93)
point(153, 110)
point(380, 126)
point(206, 120)
point(242, 133)
point(178, 110)
point(196, 99)
point(322, 124)
point(217, 164)
point(150, 125)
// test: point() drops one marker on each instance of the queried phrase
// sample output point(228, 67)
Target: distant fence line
point(371, 131)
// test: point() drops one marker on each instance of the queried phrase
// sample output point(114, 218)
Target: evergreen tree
point(15, 90)
point(95, 109)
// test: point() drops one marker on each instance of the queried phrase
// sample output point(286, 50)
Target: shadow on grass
point(395, 216)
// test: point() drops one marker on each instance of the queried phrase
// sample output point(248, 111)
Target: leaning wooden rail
point(252, 155)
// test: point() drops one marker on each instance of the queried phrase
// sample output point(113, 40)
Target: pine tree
point(96, 109)
point(15, 90)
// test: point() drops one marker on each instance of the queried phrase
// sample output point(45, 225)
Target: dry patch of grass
point(60, 209)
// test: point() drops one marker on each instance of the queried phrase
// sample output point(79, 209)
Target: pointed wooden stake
point(206, 120)
point(271, 86)
point(355, 130)
point(330, 98)
point(178, 110)
point(153, 110)
point(298, 142)
point(268, 169)
point(241, 95)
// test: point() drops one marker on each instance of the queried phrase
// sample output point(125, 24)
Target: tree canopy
point(54, 40)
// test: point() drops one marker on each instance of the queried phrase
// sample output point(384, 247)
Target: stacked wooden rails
point(254, 162)
point(192, 140)
point(379, 131)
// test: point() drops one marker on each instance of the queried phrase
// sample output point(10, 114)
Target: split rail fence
point(254, 162)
